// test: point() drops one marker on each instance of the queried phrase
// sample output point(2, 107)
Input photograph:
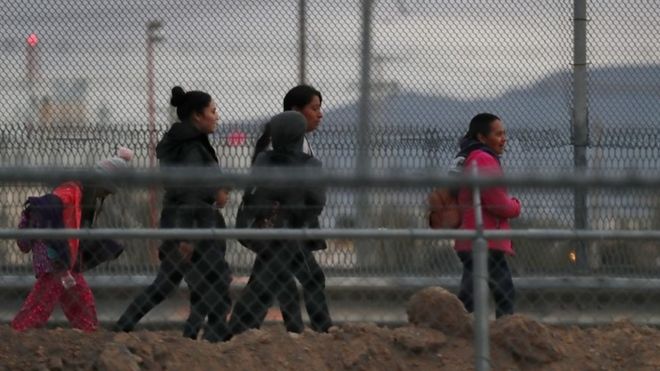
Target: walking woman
point(482, 147)
point(278, 260)
point(186, 144)
point(306, 100)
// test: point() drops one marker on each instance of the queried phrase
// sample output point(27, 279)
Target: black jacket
point(290, 206)
point(298, 206)
point(185, 146)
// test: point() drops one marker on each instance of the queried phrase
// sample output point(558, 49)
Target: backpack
point(246, 217)
point(46, 212)
point(94, 252)
point(444, 210)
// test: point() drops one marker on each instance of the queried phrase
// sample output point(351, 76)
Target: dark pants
point(499, 281)
point(273, 277)
point(170, 273)
point(269, 274)
point(209, 278)
point(308, 272)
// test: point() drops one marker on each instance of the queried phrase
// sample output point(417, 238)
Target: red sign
point(32, 40)
point(236, 138)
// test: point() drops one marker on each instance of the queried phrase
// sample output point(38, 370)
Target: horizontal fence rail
point(305, 234)
point(201, 177)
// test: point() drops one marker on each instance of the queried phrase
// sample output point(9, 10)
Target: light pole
point(302, 45)
point(32, 74)
point(153, 37)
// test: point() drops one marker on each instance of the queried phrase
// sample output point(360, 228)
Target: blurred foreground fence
point(367, 268)
point(74, 91)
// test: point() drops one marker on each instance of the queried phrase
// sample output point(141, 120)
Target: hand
point(186, 251)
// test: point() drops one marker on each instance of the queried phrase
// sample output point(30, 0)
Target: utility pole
point(302, 41)
point(153, 37)
point(580, 122)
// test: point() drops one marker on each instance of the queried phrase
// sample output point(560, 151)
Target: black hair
point(480, 124)
point(300, 96)
point(262, 143)
point(187, 103)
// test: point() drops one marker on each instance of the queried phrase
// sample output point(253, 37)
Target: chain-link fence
point(80, 79)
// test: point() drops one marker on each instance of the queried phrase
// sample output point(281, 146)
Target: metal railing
point(200, 177)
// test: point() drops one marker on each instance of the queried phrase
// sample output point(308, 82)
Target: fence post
point(580, 123)
point(363, 155)
point(480, 279)
point(302, 42)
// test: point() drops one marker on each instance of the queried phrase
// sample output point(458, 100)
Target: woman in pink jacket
point(482, 147)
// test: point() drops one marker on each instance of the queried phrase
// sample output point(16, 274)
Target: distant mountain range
point(624, 112)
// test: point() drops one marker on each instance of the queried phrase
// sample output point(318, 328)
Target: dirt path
point(517, 343)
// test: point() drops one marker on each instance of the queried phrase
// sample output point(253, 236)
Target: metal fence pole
point(363, 158)
point(480, 258)
point(363, 155)
point(153, 37)
point(302, 39)
point(580, 123)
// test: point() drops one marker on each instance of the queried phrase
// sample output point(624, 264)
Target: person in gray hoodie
point(278, 260)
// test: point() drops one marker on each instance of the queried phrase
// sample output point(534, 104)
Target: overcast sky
point(245, 52)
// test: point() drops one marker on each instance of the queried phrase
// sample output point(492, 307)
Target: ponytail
point(480, 124)
point(262, 143)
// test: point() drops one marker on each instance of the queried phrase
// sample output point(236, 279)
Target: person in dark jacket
point(307, 100)
point(278, 260)
point(187, 144)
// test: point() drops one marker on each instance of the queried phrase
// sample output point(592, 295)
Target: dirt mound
point(527, 339)
point(355, 346)
point(517, 345)
point(438, 339)
point(441, 310)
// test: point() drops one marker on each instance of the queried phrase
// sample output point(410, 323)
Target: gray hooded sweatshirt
point(299, 206)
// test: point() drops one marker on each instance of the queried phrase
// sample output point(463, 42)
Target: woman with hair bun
point(203, 265)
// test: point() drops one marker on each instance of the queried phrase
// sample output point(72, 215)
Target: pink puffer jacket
point(497, 206)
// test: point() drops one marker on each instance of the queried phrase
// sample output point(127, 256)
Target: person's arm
point(192, 198)
point(25, 245)
point(315, 197)
point(192, 203)
point(495, 199)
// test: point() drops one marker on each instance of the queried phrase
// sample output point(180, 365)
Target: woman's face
point(312, 113)
point(207, 120)
point(221, 198)
point(496, 139)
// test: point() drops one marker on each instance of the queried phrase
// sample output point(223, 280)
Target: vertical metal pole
point(580, 123)
point(302, 39)
point(32, 61)
point(480, 258)
point(363, 155)
point(152, 39)
point(365, 89)
point(363, 163)
point(151, 113)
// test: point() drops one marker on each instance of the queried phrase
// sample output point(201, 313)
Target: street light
point(302, 38)
point(32, 74)
point(153, 37)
